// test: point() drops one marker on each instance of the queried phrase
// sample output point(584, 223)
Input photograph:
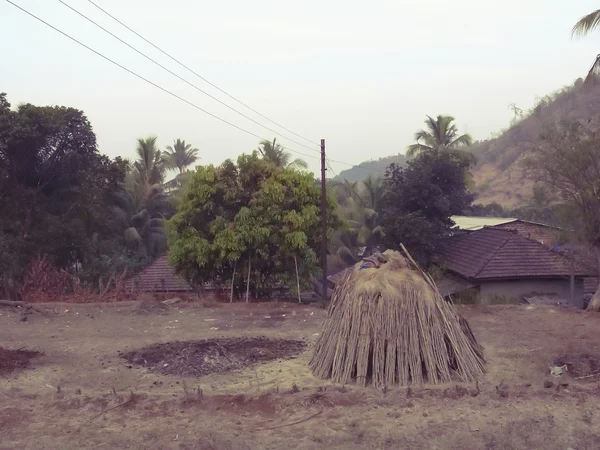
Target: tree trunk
point(595, 301)
point(232, 282)
point(248, 282)
point(297, 279)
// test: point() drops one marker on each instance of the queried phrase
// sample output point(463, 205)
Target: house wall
point(516, 289)
point(543, 234)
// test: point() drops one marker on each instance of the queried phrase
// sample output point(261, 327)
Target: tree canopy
point(252, 213)
point(56, 190)
point(567, 159)
point(419, 200)
point(440, 135)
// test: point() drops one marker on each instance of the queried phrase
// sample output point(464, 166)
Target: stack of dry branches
point(388, 323)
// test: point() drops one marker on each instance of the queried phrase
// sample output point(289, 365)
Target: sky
point(361, 75)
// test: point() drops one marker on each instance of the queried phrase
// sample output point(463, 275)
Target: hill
point(375, 168)
point(499, 174)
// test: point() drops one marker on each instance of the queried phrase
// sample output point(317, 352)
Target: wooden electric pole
point(323, 222)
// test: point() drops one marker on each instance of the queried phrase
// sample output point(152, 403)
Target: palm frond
point(462, 140)
point(414, 150)
point(586, 24)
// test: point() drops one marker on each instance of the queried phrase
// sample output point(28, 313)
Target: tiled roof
point(159, 277)
point(491, 253)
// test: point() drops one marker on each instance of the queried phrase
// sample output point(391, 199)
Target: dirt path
point(55, 402)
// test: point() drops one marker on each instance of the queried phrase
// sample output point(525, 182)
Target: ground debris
point(197, 358)
point(15, 359)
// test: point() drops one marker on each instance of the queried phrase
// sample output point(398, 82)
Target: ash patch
point(197, 358)
point(15, 359)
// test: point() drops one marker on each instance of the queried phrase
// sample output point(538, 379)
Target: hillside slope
point(499, 175)
point(375, 168)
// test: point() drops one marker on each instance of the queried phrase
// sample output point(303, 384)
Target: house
point(545, 234)
point(502, 262)
point(159, 277)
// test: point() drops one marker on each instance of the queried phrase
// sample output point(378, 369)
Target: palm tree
point(150, 166)
point(275, 153)
point(180, 156)
point(584, 26)
point(440, 135)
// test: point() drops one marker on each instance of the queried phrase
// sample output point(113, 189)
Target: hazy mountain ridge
point(374, 168)
point(499, 175)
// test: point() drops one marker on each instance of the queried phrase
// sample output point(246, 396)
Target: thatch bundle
point(388, 323)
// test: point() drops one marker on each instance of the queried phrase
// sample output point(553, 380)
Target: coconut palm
point(275, 153)
point(584, 26)
point(149, 168)
point(440, 135)
point(180, 156)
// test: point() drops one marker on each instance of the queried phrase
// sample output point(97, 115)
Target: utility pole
point(323, 222)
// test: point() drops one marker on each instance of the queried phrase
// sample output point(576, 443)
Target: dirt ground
point(80, 393)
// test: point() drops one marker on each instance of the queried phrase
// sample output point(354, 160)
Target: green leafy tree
point(440, 135)
point(142, 204)
point(276, 154)
point(252, 213)
point(567, 159)
point(419, 200)
point(58, 189)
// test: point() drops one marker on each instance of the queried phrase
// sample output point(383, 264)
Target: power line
point(148, 81)
point(198, 75)
point(181, 78)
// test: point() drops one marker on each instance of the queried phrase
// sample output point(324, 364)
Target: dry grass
point(390, 325)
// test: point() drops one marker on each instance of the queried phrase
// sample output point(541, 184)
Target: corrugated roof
point(159, 277)
point(477, 223)
point(492, 253)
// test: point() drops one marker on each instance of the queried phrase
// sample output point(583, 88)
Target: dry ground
point(57, 402)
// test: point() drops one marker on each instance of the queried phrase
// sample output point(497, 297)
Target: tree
point(142, 203)
point(180, 156)
point(419, 200)
point(567, 159)
point(440, 135)
point(149, 168)
point(586, 25)
point(252, 213)
point(276, 154)
point(57, 188)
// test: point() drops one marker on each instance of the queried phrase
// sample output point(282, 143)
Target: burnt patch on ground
point(197, 358)
point(15, 359)
point(581, 366)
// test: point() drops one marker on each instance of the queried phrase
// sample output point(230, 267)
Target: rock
point(548, 384)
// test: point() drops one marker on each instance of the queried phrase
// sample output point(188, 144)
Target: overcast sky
point(362, 75)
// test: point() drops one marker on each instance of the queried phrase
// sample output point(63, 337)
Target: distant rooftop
point(477, 223)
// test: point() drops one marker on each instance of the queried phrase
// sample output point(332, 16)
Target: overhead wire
point(175, 95)
point(148, 81)
point(198, 75)
point(180, 77)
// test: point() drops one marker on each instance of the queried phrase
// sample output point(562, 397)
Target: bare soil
point(80, 393)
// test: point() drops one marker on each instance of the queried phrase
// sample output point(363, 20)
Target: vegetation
point(567, 160)
point(251, 218)
point(279, 156)
point(585, 25)
point(419, 201)
point(440, 135)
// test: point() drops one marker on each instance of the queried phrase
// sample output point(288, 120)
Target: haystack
point(388, 324)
